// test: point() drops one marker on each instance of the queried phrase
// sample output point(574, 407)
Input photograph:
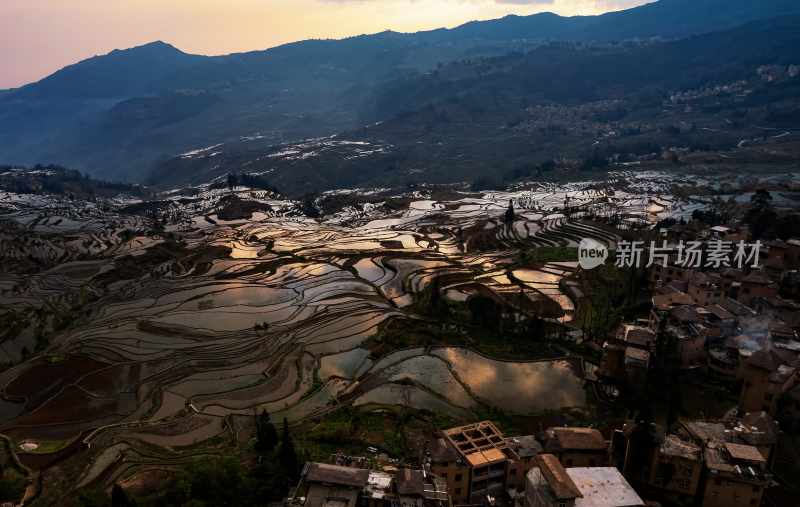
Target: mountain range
point(128, 115)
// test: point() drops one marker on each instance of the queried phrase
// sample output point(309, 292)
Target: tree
point(287, 455)
point(266, 434)
point(233, 181)
point(761, 217)
point(309, 207)
point(485, 311)
point(761, 200)
point(431, 301)
point(510, 215)
point(216, 481)
point(94, 497)
point(12, 485)
point(119, 498)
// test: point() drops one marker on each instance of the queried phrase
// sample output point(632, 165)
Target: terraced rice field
point(269, 312)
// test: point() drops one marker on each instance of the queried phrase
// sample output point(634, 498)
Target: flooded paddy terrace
point(279, 316)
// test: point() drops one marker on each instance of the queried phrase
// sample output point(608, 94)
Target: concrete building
point(766, 376)
point(527, 448)
point(677, 467)
point(324, 485)
point(736, 475)
point(705, 289)
point(478, 462)
point(756, 285)
point(446, 462)
point(549, 484)
point(782, 255)
point(708, 463)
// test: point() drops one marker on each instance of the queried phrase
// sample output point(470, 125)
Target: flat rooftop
point(336, 475)
point(603, 487)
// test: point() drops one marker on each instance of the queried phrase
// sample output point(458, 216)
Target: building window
point(458, 491)
point(459, 477)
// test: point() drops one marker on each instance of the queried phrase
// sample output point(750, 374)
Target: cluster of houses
point(348, 484)
point(476, 465)
point(734, 327)
point(709, 463)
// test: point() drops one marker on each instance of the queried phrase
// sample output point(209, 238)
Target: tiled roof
point(666, 301)
point(575, 439)
point(757, 278)
point(338, 475)
point(741, 452)
point(720, 312)
point(764, 360)
point(557, 478)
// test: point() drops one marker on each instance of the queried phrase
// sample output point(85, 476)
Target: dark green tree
point(119, 498)
point(287, 455)
point(510, 215)
point(266, 434)
point(309, 206)
point(433, 303)
point(484, 310)
point(761, 217)
point(219, 481)
point(91, 498)
point(232, 181)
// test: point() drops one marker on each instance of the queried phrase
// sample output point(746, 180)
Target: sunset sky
point(38, 37)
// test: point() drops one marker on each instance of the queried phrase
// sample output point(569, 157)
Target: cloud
point(526, 2)
point(506, 2)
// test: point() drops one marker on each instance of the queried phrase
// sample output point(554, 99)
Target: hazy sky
point(38, 37)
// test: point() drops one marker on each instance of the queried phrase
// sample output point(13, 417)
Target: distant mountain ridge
point(119, 115)
point(509, 114)
point(667, 19)
point(118, 74)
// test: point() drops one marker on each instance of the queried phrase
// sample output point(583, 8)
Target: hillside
point(503, 116)
point(121, 114)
